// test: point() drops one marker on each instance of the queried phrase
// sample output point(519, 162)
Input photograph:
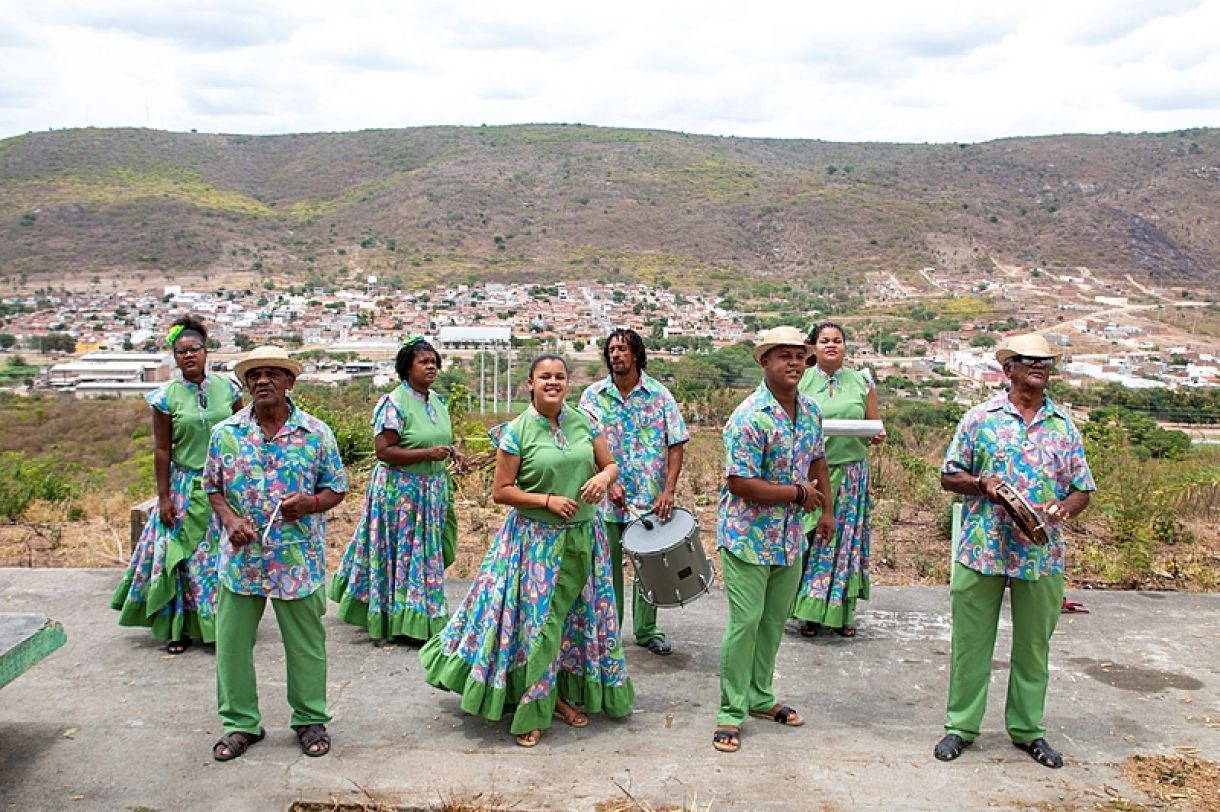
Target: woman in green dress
point(537, 633)
point(170, 585)
point(836, 569)
point(392, 577)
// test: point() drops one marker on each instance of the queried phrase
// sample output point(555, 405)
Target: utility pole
point(508, 382)
point(482, 381)
point(495, 380)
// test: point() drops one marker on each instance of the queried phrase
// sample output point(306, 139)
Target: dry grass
point(1180, 782)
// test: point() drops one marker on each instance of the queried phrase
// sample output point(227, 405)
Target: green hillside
point(536, 201)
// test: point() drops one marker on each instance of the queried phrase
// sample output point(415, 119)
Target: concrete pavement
point(111, 722)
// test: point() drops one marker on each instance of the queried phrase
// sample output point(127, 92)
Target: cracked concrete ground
point(110, 722)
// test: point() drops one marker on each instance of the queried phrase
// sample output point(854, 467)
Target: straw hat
point(784, 336)
point(1032, 345)
point(267, 356)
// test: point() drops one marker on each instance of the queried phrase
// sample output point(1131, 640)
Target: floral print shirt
point(640, 430)
point(1043, 460)
point(762, 442)
point(288, 559)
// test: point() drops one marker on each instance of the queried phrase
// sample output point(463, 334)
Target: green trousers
point(976, 600)
point(300, 622)
point(643, 613)
point(760, 599)
point(574, 569)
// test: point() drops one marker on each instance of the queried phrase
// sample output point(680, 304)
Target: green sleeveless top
point(552, 461)
point(840, 397)
point(423, 424)
point(193, 410)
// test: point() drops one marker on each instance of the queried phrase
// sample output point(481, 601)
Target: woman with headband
point(836, 568)
point(537, 633)
point(392, 577)
point(170, 583)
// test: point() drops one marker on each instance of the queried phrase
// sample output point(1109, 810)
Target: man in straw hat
point(1023, 438)
point(775, 473)
point(271, 474)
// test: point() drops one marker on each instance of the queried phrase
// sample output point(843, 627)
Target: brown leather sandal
point(529, 738)
point(782, 714)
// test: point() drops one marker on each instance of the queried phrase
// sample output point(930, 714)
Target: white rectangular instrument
point(852, 428)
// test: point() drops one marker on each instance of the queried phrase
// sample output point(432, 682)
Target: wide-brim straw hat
point(267, 356)
point(784, 336)
point(1031, 345)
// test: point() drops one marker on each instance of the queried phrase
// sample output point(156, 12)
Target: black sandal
point(311, 735)
point(659, 645)
point(809, 628)
point(178, 646)
point(726, 740)
point(236, 746)
point(1041, 752)
point(950, 747)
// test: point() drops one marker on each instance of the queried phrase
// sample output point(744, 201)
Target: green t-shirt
point(420, 423)
point(840, 397)
point(552, 461)
point(193, 410)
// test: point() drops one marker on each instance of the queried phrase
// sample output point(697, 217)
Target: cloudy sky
point(887, 70)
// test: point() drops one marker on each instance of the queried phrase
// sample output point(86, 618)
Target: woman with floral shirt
point(170, 583)
point(392, 578)
point(538, 629)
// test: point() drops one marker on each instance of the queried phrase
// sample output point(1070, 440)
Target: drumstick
point(640, 517)
point(275, 514)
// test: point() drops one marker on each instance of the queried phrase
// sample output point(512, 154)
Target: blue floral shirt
point(1043, 461)
point(255, 475)
point(762, 442)
point(640, 429)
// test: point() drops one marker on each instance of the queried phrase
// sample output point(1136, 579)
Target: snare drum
point(671, 568)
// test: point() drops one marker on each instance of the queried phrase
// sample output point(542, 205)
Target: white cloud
point(882, 71)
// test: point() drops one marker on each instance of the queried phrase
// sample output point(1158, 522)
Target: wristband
point(978, 483)
point(800, 495)
point(317, 504)
point(548, 501)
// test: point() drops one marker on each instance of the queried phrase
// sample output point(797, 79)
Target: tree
point(7, 340)
point(983, 341)
point(243, 342)
point(53, 342)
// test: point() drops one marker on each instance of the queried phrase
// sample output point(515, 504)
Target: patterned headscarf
point(412, 340)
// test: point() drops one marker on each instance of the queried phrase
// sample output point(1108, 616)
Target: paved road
point(109, 722)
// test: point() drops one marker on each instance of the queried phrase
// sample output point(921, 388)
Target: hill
point(533, 201)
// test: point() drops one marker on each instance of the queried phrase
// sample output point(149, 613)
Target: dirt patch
point(1176, 782)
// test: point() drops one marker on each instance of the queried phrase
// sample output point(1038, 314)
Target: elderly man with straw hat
point(775, 473)
point(272, 472)
point(1022, 438)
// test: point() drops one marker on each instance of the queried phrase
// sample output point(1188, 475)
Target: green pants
point(643, 613)
point(574, 569)
point(760, 599)
point(300, 622)
point(976, 600)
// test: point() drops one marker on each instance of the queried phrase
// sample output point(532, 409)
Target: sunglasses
point(1030, 360)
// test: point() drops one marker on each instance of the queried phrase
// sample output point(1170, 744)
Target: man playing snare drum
point(646, 433)
point(1022, 438)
